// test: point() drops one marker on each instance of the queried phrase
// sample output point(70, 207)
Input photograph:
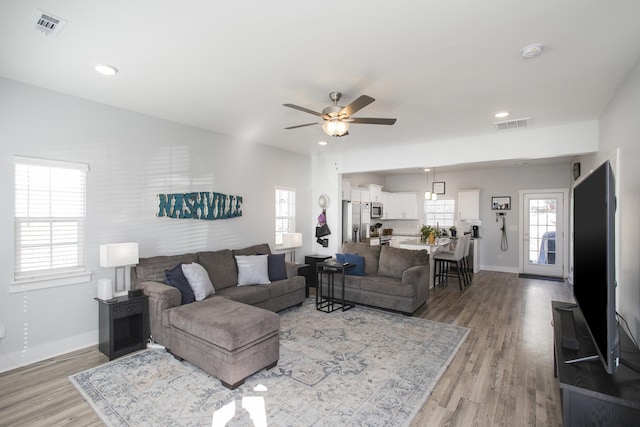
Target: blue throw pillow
point(277, 267)
point(175, 277)
point(340, 258)
point(358, 261)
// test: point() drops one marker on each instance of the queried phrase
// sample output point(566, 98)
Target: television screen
point(594, 260)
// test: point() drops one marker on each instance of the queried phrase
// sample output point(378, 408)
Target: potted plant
point(425, 231)
point(453, 231)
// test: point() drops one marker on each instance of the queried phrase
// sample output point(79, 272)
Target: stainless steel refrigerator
point(355, 221)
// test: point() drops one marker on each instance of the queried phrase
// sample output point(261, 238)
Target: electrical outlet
point(3, 331)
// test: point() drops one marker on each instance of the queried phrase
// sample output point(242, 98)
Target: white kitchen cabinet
point(405, 205)
point(387, 205)
point(365, 195)
point(356, 195)
point(375, 193)
point(346, 189)
point(469, 205)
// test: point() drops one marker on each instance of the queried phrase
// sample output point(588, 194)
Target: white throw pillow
point(253, 269)
point(198, 279)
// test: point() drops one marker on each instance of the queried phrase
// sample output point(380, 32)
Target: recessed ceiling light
point(501, 114)
point(532, 51)
point(107, 70)
point(322, 142)
point(426, 169)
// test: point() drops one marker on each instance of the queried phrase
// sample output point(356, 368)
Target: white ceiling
point(442, 68)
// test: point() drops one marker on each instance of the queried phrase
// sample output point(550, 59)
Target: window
point(285, 213)
point(49, 220)
point(440, 212)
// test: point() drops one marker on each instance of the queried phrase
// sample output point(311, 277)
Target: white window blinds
point(285, 213)
point(49, 218)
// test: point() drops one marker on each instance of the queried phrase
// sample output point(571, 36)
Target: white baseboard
point(500, 269)
point(46, 351)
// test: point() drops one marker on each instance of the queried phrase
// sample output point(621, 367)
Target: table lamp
point(119, 255)
point(292, 241)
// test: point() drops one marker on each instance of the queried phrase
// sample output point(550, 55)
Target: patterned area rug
point(363, 367)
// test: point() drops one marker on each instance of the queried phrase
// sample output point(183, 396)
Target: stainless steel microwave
point(376, 210)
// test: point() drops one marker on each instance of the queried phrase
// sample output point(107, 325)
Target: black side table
point(309, 272)
point(123, 325)
point(330, 302)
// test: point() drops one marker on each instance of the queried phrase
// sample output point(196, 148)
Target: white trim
point(50, 163)
point(566, 234)
point(33, 284)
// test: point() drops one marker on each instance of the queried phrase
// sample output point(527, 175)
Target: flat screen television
point(594, 277)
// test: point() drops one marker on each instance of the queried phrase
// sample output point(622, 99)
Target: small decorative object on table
point(453, 231)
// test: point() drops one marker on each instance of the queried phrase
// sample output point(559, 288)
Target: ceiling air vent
point(512, 124)
point(46, 23)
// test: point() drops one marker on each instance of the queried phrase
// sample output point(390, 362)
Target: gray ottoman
point(227, 339)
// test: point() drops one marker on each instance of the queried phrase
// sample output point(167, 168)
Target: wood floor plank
point(502, 375)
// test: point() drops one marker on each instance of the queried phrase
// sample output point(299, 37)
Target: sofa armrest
point(418, 276)
point(161, 297)
point(292, 269)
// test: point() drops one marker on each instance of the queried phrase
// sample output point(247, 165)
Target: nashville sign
point(202, 205)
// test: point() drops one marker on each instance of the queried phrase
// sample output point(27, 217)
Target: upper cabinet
point(375, 192)
point(469, 205)
point(346, 189)
point(399, 205)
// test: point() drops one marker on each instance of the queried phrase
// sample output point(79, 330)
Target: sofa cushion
point(370, 253)
point(394, 261)
point(358, 262)
point(259, 249)
point(175, 277)
point(152, 269)
point(221, 267)
point(277, 267)
point(253, 269)
point(251, 295)
point(198, 279)
point(387, 285)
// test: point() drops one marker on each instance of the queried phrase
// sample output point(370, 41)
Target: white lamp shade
point(118, 254)
point(335, 128)
point(292, 240)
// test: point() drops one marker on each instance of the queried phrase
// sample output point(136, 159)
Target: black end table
point(331, 303)
point(309, 271)
point(123, 325)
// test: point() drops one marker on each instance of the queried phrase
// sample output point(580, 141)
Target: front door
point(543, 239)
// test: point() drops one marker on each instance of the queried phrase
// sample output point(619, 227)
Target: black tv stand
point(590, 396)
point(569, 334)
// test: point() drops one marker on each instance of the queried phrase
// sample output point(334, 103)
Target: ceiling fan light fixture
point(335, 128)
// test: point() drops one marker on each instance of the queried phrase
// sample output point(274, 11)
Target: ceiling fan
point(336, 119)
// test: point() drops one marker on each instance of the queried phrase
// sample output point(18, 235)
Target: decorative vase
point(453, 233)
point(432, 239)
point(423, 239)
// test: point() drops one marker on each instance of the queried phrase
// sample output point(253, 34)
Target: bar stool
point(467, 268)
point(444, 260)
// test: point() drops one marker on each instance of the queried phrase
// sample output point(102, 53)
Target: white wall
point(620, 129)
point(132, 158)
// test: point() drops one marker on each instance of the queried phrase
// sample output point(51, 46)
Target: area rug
point(362, 367)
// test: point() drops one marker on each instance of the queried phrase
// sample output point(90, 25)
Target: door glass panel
point(542, 231)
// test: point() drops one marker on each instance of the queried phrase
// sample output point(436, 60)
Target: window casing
point(285, 213)
point(49, 220)
point(440, 212)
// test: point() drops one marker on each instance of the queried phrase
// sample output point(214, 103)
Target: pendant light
point(427, 194)
point(434, 196)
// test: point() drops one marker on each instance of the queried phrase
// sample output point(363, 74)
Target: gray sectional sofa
point(149, 275)
point(396, 279)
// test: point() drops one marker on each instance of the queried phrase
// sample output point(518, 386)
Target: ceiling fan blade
point(301, 126)
point(371, 121)
point(306, 110)
point(356, 105)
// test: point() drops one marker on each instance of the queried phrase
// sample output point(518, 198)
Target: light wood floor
point(502, 375)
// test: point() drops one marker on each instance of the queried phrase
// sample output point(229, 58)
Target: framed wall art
point(437, 187)
point(502, 203)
